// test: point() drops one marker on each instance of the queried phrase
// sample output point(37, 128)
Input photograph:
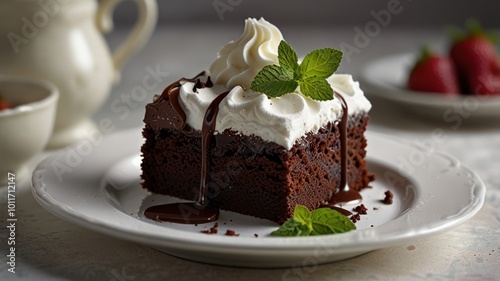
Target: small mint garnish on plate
point(321, 221)
point(277, 80)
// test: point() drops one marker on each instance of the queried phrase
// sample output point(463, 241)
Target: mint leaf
point(316, 88)
point(287, 57)
point(292, 227)
point(274, 81)
point(318, 222)
point(310, 75)
point(321, 63)
point(328, 221)
point(302, 214)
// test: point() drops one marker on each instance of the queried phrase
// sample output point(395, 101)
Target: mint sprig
point(277, 80)
point(321, 221)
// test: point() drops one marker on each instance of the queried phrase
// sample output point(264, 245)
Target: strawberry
point(4, 104)
point(485, 83)
point(476, 60)
point(435, 74)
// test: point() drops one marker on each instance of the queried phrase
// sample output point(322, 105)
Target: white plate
point(97, 187)
point(387, 77)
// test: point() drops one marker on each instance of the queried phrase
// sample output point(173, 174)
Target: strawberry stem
point(474, 28)
point(425, 52)
point(456, 34)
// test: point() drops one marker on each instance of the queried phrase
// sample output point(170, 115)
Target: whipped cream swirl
point(239, 61)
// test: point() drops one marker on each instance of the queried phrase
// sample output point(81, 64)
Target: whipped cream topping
point(239, 61)
point(282, 120)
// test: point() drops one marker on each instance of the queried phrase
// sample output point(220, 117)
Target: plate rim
point(252, 245)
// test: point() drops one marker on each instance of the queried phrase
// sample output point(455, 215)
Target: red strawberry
point(485, 83)
point(435, 74)
point(4, 104)
point(477, 63)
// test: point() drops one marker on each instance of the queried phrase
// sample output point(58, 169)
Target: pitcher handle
point(138, 37)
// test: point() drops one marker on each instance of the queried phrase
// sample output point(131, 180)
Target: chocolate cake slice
point(252, 154)
point(249, 175)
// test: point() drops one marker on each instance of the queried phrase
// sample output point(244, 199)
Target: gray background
point(416, 13)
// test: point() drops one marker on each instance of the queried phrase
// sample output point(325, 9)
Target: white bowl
point(26, 128)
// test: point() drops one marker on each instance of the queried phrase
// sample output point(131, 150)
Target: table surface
point(52, 249)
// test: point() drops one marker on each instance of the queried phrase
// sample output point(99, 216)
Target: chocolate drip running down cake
point(261, 156)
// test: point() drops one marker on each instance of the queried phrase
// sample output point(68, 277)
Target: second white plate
point(97, 187)
point(386, 78)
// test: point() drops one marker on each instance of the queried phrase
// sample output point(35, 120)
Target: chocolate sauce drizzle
point(171, 95)
point(207, 132)
point(201, 211)
point(343, 194)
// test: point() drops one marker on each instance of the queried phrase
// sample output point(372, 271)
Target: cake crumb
point(230, 232)
point(209, 82)
point(212, 230)
point(371, 177)
point(355, 218)
point(198, 85)
point(361, 209)
point(388, 197)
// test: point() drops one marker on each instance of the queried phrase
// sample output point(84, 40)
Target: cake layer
point(249, 175)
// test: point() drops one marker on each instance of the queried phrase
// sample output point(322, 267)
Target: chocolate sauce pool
point(200, 211)
point(187, 213)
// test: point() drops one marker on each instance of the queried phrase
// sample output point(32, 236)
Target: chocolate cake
point(227, 147)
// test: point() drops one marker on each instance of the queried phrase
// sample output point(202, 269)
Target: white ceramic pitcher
point(62, 41)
